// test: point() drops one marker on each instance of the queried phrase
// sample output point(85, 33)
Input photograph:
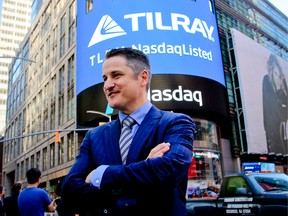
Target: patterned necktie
point(126, 137)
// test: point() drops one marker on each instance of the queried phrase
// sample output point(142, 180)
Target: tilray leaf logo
point(106, 29)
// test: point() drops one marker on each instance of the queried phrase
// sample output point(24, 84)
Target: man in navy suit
point(153, 180)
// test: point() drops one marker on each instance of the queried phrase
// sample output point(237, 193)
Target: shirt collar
point(139, 114)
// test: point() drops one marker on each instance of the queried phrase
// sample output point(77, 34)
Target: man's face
point(123, 89)
point(277, 78)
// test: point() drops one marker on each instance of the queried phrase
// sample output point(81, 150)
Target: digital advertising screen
point(252, 167)
point(179, 38)
point(263, 78)
point(258, 167)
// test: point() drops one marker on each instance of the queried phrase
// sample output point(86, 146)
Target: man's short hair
point(130, 54)
point(16, 187)
point(33, 175)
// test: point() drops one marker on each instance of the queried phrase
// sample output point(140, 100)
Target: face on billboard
point(179, 37)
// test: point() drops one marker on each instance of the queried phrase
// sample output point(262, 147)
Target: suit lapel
point(143, 133)
point(112, 143)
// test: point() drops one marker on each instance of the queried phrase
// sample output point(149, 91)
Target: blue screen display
point(259, 167)
point(179, 37)
point(252, 167)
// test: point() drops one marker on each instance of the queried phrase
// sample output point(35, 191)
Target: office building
point(14, 24)
point(44, 128)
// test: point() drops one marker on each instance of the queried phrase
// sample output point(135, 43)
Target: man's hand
point(88, 178)
point(52, 207)
point(159, 150)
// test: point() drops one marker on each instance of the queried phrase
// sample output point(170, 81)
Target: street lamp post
point(14, 57)
point(100, 113)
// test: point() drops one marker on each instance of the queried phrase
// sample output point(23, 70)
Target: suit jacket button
point(105, 211)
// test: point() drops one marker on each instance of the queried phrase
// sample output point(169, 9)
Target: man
point(151, 178)
point(11, 202)
point(34, 201)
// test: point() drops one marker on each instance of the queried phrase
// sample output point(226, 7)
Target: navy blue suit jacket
point(141, 187)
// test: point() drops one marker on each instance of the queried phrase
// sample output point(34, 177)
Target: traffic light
point(57, 137)
point(236, 151)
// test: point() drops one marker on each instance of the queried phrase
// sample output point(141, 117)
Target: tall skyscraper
point(14, 24)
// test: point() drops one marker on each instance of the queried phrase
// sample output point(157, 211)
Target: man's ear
point(144, 76)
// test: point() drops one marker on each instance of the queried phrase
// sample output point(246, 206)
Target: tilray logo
point(111, 30)
point(153, 21)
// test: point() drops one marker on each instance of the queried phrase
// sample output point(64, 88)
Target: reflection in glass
point(205, 171)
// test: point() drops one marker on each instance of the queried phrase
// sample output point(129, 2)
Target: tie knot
point(128, 122)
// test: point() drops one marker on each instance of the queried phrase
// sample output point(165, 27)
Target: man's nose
point(108, 84)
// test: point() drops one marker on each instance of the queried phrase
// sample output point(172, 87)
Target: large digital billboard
point(179, 37)
point(263, 79)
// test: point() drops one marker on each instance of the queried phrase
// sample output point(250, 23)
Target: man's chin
point(113, 105)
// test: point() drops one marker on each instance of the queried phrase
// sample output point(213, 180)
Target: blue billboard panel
point(252, 167)
point(258, 167)
point(179, 37)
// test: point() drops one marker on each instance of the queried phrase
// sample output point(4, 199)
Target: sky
point(282, 5)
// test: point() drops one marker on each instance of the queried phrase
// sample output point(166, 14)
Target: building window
point(89, 5)
point(71, 104)
point(39, 136)
point(27, 164)
point(61, 96)
point(70, 84)
point(62, 35)
point(45, 123)
point(61, 80)
point(61, 151)
point(46, 96)
point(71, 71)
point(206, 136)
point(70, 146)
point(61, 110)
point(53, 89)
point(38, 160)
point(205, 174)
point(18, 173)
point(17, 147)
point(52, 117)
point(45, 159)
point(32, 161)
point(54, 46)
point(52, 155)
point(205, 171)
point(22, 170)
point(72, 25)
